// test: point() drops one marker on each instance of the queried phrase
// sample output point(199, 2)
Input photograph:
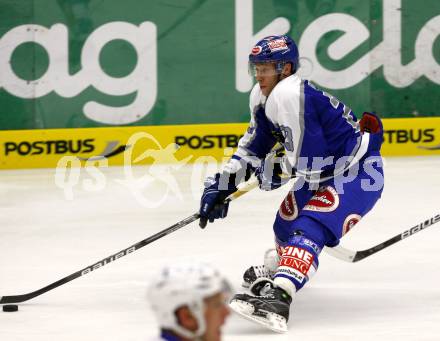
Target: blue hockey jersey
point(319, 133)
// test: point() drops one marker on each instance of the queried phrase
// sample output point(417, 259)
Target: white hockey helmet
point(185, 284)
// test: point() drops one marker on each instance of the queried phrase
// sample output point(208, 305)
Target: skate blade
point(272, 321)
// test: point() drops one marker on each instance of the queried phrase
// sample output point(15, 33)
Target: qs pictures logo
point(150, 186)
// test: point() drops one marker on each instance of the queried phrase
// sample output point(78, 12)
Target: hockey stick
point(355, 256)
point(246, 187)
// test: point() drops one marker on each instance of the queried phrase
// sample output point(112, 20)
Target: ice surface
point(393, 295)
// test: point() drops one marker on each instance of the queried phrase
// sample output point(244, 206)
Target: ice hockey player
point(190, 302)
point(336, 162)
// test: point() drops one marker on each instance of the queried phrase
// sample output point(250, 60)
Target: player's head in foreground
point(273, 59)
point(190, 301)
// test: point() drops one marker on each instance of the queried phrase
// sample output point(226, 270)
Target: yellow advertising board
point(119, 145)
point(148, 144)
point(411, 136)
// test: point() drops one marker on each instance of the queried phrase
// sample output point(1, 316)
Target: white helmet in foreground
point(185, 285)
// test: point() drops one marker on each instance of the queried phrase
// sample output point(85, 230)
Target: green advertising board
point(91, 63)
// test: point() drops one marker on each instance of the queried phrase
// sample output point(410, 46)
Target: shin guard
point(298, 262)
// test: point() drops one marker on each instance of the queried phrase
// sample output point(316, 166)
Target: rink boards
point(111, 146)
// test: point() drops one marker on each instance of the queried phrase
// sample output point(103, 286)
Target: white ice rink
point(393, 295)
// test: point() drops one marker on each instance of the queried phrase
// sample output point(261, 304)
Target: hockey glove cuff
point(212, 203)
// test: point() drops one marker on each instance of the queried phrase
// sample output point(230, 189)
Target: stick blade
point(342, 253)
point(15, 298)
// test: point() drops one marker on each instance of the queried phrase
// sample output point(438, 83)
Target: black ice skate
point(270, 309)
point(253, 273)
point(261, 271)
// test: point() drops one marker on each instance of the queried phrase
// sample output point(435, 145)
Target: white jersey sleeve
point(258, 140)
point(285, 110)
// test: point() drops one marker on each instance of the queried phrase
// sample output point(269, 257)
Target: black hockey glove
point(212, 203)
point(270, 174)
